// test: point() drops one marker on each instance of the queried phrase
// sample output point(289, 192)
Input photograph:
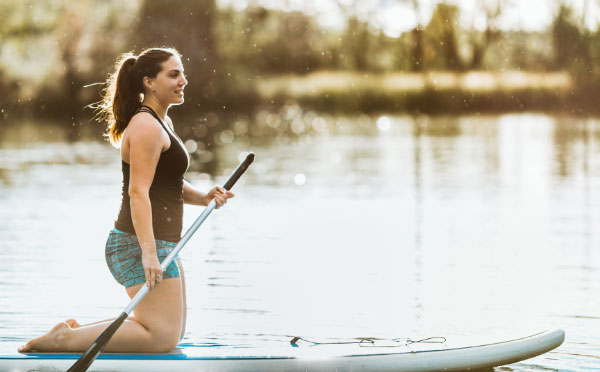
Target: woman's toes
point(23, 349)
point(52, 341)
point(72, 323)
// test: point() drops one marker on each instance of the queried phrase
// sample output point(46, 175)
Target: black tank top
point(166, 191)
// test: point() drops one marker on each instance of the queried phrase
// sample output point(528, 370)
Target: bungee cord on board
point(373, 341)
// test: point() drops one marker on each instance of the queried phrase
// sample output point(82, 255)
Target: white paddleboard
point(444, 355)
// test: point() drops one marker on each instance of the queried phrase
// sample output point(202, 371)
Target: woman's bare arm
point(145, 141)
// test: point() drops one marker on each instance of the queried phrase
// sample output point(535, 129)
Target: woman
point(149, 224)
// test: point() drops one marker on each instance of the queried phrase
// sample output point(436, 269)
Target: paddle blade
point(87, 358)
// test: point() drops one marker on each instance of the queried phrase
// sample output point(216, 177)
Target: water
point(383, 227)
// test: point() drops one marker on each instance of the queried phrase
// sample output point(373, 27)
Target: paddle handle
point(188, 234)
point(239, 171)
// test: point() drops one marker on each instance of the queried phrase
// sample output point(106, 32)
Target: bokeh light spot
point(300, 179)
point(191, 146)
point(384, 124)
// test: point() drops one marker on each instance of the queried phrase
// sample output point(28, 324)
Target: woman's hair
point(125, 88)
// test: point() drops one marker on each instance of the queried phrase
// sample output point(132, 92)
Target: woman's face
point(169, 82)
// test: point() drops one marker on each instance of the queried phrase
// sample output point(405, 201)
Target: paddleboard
point(401, 355)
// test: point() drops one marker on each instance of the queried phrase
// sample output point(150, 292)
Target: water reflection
point(345, 226)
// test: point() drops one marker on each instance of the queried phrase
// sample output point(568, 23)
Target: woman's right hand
point(152, 269)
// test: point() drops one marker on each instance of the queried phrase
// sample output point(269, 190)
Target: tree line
point(54, 52)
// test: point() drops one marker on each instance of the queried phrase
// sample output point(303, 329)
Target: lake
point(382, 226)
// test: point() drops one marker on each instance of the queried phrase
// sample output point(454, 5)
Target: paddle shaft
point(167, 261)
point(87, 358)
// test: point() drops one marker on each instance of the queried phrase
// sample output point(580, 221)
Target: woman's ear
point(149, 83)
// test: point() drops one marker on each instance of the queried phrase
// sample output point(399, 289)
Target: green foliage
point(22, 19)
point(441, 32)
point(51, 49)
point(273, 42)
point(356, 44)
point(571, 43)
point(188, 28)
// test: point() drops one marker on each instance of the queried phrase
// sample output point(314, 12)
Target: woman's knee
point(160, 313)
point(165, 340)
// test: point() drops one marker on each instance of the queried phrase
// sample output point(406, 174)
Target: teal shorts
point(124, 258)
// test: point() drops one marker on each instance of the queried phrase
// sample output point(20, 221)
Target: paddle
point(87, 358)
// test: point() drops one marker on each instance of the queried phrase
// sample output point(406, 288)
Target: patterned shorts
point(124, 258)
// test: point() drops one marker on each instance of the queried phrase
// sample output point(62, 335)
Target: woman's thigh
point(161, 310)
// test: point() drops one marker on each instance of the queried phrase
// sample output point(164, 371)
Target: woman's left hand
point(219, 194)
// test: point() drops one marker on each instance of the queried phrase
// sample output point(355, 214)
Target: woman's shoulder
point(144, 124)
point(143, 120)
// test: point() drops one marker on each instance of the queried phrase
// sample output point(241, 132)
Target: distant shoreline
point(428, 92)
point(353, 92)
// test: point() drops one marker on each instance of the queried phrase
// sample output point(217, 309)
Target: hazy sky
point(396, 16)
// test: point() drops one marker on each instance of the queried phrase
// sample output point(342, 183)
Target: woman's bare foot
point(55, 340)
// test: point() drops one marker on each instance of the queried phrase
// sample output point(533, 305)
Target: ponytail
point(123, 95)
point(126, 100)
point(120, 99)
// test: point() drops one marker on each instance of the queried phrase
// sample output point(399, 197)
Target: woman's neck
point(159, 109)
